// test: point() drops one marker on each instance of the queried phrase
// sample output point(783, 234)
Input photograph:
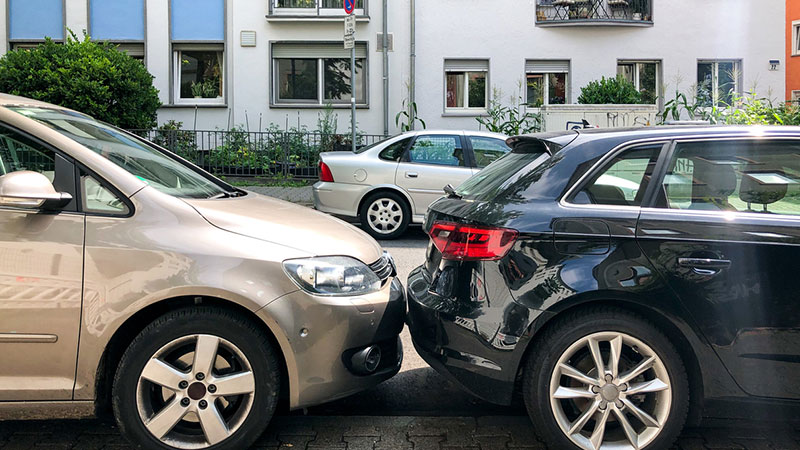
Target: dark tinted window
point(394, 151)
point(744, 176)
point(623, 180)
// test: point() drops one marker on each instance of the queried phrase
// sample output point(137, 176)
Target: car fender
point(391, 187)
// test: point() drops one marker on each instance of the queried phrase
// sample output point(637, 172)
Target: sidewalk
point(300, 195)
point(390, 433)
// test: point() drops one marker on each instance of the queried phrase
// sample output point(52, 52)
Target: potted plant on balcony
point(640, 9)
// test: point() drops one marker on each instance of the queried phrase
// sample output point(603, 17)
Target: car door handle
point(704, 266)
point(411, 175)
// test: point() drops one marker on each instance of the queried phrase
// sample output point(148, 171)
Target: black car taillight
point(463, 242)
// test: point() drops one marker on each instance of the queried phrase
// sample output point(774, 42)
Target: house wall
point(504, 32)
point(792, 61)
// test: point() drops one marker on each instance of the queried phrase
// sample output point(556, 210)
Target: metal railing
point(312, 7)
point(247, 154)
point(578, 12)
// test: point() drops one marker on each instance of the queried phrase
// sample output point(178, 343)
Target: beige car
point(131, 281)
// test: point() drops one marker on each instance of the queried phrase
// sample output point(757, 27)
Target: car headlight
point(332, 275)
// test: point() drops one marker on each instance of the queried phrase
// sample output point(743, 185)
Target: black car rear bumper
point(453, 345)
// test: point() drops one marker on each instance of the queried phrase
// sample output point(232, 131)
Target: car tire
point(385, 215)
point(194, 410)
point(562, 414)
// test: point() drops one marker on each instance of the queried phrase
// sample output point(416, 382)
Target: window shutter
point(36, 19)
point(466, 65)
point(316, 50)
point(121, 20)
point(545, 66)
point(198, 20)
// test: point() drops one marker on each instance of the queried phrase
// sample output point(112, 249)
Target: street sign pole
point(350, 42)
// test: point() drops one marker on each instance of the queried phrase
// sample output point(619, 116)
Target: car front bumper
point(323, 332)
point(341, 199)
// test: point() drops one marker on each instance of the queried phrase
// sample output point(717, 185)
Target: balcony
point(555, 13)
point(313, 10)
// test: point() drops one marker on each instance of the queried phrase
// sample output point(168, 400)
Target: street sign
point(350, 31)
point(349, 6)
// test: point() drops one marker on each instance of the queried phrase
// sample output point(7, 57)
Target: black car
point(621, 281)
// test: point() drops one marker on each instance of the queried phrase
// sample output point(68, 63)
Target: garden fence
point(247, 154)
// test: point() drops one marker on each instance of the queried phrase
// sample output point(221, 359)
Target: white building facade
point(223, 63)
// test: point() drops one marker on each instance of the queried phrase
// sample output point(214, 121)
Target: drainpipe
point(385, 68)
point(412, 69)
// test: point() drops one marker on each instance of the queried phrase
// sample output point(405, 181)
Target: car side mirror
point(28, 189)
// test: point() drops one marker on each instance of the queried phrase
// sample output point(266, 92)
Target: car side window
point(487, 150)
point(740, 176)
point(623, 180)
point(442, 150)
point(98, 198)
point(17, 153)
point(394, 151)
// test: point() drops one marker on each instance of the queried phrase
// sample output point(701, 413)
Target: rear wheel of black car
point(385, 215)
point(605, 377)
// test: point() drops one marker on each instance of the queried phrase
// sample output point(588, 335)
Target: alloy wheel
point(195, 391)
point(610, 390)
point(384, 215)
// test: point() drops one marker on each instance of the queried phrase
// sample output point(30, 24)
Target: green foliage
point(408, 116)
point(174, 138)
point(511, 120)
point(95, 78)
point(206, 89)
point(327, 124)
point(745, 109)
point(610, 91)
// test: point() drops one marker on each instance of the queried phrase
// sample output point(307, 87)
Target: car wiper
point(451, 191)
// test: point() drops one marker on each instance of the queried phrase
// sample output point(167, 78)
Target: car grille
point(384, 267)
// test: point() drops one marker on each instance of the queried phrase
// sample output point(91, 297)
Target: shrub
point(614, 91)
point(174, 138)
point(95, 78)
point(511, 120)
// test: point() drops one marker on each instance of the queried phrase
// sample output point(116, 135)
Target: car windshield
point(154, 167)
point(490, 181)
point(374, 144)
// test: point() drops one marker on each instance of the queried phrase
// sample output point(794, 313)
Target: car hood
point(287, 224)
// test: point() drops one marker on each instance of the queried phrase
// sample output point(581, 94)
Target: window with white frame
point(314, 7)
point(547, 82)
point(796, 97)
point(199, 74)
point(466, 84)
point(645, 75)
point(796, 38)
point(316, 74)
point(718, 81)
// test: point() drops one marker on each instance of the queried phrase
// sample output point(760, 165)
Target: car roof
point(667, 130)
point(16, 100)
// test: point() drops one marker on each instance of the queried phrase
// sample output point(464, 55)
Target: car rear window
point(524, 157)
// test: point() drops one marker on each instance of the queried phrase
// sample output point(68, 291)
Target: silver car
point(133, 282)
point(390, 184)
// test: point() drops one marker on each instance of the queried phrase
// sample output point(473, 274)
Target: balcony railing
point(594, 12)
point(313, 8)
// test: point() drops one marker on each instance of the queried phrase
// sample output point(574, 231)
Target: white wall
point(683, 32)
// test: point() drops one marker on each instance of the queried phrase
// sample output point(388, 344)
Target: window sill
point(466, 113)
point(194, 105)
point(314, 106)
point(289, 17)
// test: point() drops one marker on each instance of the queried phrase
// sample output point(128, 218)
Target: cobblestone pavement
point(391, 433)
point(301, 195)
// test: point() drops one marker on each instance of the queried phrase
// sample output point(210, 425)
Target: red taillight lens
point(470, 243)
point(325, 172)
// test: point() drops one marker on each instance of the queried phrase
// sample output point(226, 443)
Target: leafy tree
point(614, 91)
point(95, 78)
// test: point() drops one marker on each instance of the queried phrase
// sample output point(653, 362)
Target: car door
point(41, 276)
point(724, 231)
point(431, 162)
point(486, 150)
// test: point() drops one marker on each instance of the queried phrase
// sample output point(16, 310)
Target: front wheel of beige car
point(197, 378)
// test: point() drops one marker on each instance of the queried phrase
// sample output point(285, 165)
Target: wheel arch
point(386, 188)
point(129, 329)
point(675, 329)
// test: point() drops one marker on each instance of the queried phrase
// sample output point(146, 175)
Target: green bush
point(174, 138)
point(610, 91)
point(95, 78)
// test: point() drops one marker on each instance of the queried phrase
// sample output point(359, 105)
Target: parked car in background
point(133, 281)
point(390, 184)
point(621, 281)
